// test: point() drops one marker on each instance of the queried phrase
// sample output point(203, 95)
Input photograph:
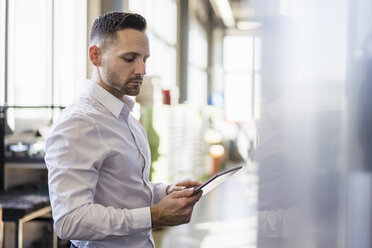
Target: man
point(98, 155)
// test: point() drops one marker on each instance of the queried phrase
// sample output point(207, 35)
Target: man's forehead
point(131, 35)
point(132, 39)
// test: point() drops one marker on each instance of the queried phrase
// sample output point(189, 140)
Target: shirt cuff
point(162, 190)
point(141, 218)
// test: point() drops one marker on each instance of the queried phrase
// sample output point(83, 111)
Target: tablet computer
point(217, 180)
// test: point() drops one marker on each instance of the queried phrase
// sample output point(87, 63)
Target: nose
point(140, 68)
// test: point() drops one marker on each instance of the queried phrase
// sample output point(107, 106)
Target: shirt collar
point(109, 101)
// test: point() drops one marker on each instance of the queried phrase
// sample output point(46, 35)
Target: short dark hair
point(105, 27)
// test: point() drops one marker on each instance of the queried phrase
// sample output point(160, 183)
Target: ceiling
point(242, 10)
point(243, 14)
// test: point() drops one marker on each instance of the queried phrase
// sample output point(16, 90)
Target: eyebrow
point(134, 53)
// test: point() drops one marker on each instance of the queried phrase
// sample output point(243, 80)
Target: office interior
point(281, 87)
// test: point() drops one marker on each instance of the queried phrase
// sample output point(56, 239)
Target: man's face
point(123, 62)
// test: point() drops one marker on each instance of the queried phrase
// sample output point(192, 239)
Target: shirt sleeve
point(73, 168)
point(160, 191)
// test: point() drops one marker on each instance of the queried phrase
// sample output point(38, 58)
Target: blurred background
point(281, 87)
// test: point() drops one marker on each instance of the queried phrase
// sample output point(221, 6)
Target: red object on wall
point(166, 97)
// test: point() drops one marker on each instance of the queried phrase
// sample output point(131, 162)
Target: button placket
point(126, 118)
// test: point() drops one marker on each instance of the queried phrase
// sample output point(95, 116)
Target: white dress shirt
point(98, 159)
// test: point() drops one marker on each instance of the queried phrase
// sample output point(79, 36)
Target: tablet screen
point(217, 180)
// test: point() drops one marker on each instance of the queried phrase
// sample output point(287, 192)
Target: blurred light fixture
point(216, 151)
point(223, 10)
point(248, 25)
point(211, 136)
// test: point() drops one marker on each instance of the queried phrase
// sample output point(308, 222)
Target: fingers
point(178, 188)
point(174, 209)
point(188, 183)
point(188, 195)
point(197, 196)
point(183, 193)
point(173, 187)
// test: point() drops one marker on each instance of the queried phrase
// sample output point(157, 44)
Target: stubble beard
point(114, 82)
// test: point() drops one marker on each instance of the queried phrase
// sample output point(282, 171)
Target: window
point(2, 50)
point(46, 47)
point(70, 49)
point(30, 52)
point(161, 16)
point(241, 65)
point(198, 63)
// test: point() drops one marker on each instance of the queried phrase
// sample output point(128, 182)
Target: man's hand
point(186, 183)
point(174, 209)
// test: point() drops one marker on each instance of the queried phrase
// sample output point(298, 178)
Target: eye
point(129, 59)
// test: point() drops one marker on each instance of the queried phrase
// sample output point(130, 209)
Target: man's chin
point(132, 92)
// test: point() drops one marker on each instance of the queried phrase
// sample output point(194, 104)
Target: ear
point(95, 55)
